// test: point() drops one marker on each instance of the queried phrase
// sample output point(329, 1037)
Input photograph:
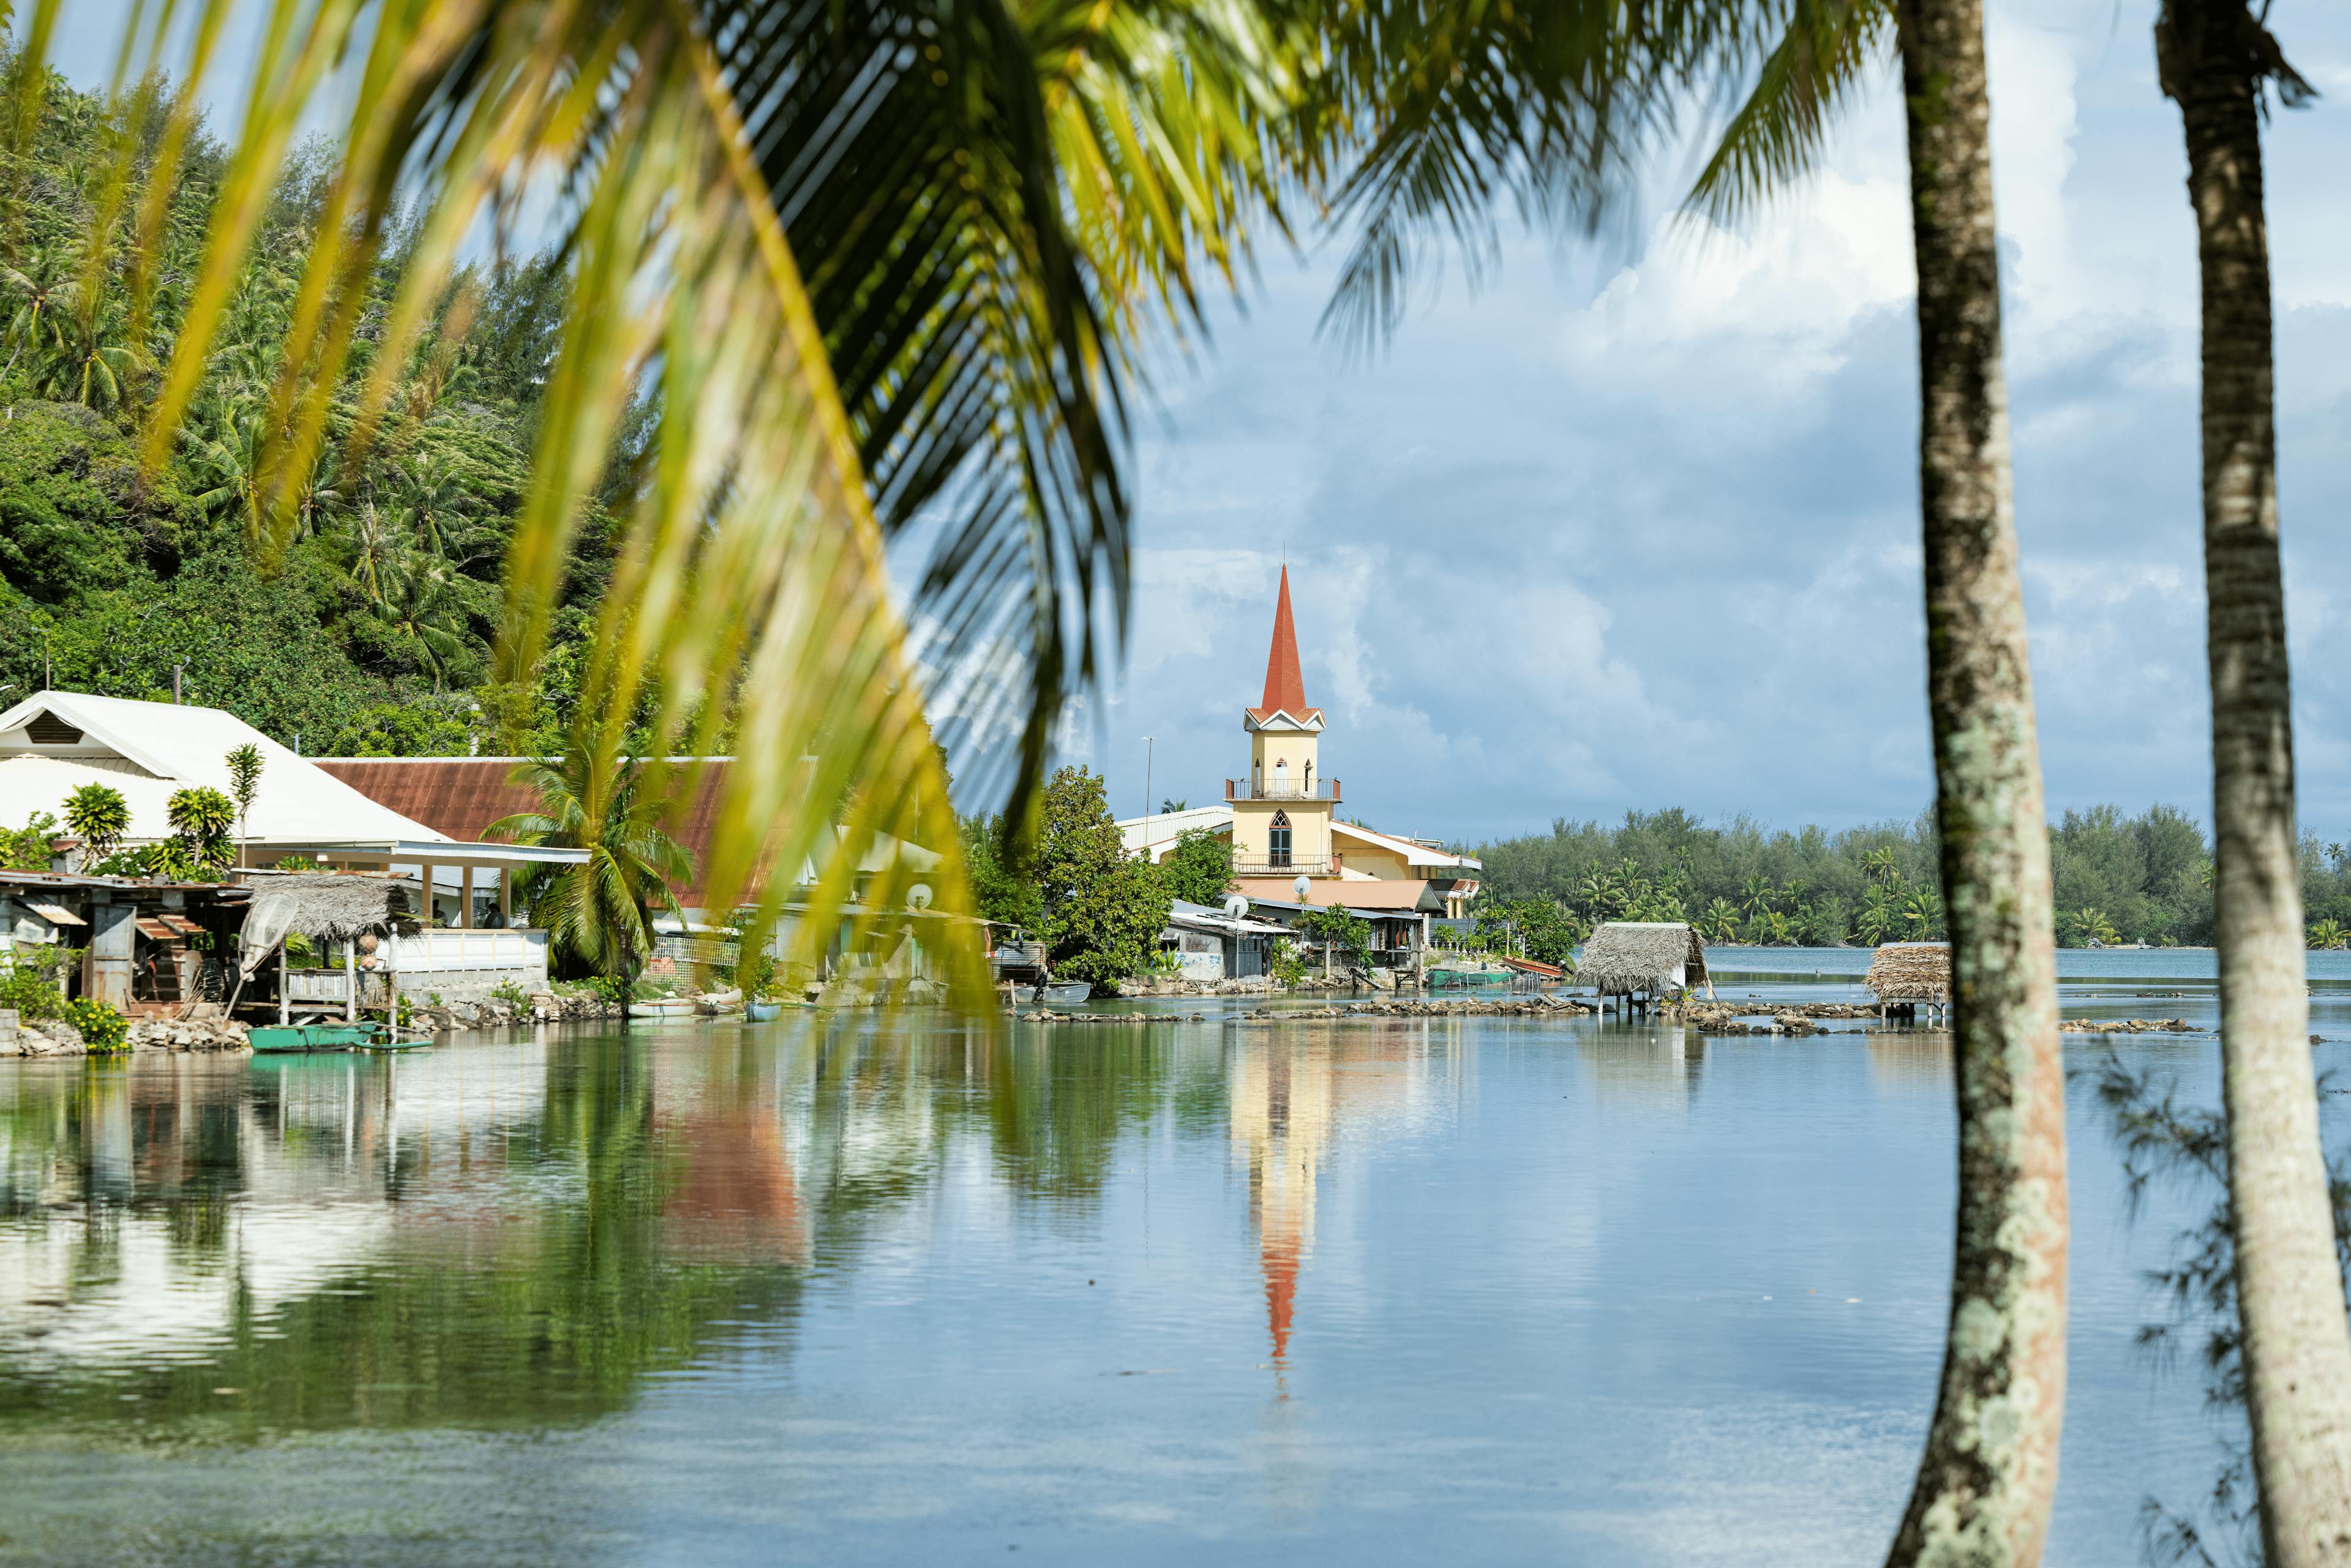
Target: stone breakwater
point(54, 1037)
point(1530, 1006)
point(2133, 1026)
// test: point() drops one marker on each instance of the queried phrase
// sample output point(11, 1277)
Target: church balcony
point(1321, 789)
point(1286, 865)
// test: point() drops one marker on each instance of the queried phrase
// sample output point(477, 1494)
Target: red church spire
point(1285, 686)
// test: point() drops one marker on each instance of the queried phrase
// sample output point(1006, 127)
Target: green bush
point(511, 994)
point(103, 1028)
point(28, 991)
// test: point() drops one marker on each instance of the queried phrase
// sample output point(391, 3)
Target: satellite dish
point(1302, 887)
point(919, 897)
point(1237, 907)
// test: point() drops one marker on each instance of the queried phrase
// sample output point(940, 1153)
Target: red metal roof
point(462, 796)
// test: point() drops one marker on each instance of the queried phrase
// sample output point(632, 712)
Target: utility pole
point(1147, 742)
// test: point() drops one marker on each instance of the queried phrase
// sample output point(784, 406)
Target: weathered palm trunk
point(1990, 1467)
point(2297, 1348)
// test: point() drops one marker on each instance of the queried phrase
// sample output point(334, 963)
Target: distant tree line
point(2118, 879)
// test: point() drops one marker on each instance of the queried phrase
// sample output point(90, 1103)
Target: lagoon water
point(1400, 1291)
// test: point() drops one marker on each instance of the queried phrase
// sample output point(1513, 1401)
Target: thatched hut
point(334, 906)
point(1906, 975)
point(1648, 957)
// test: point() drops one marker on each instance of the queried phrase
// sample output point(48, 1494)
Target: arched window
point(1277, 840)
point(1281, 775)
point(1306, 779)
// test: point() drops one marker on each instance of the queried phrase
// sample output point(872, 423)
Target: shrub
point(511, 994)
point(102, 1027)
point(26, 988)
point(755, 971)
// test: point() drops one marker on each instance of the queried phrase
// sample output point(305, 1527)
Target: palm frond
point(1477, 106)
point(751, 579)
point(1776, 135)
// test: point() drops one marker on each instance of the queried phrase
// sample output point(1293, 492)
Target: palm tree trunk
point(2297, 1348)
point(1990, 1466)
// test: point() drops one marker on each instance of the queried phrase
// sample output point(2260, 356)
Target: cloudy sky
point(1635, 524)
point(1637, 527)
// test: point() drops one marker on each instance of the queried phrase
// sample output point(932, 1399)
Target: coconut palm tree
point(867, 265)
point(1720, 921)
point(420, 601)
point(38, 287)
point(1546, 109)
point(600, 911)
point(434, 506)
point(2217, 61)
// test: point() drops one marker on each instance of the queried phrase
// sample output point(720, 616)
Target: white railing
point(456, 962)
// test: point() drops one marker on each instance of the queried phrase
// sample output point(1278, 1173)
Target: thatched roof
point(1640, 956)
point(334, 906)
point(1910, 972)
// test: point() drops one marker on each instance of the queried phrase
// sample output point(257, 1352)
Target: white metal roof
point(148, 750)
point(1413, 852)
point(1159, 829)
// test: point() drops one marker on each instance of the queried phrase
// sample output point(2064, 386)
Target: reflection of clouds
point(1909, 1064)
point(1641, 1067)
point(127, 1291)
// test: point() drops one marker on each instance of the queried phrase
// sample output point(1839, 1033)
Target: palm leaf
point(1776, 135)
point(752, 576)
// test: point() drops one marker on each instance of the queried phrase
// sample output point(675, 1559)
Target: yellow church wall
point(1310, 831)
point(1269, 749)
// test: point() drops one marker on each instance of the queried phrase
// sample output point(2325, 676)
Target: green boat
point(1461, 979)
point(270, 1039)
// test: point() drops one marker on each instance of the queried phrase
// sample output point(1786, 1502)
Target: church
point(1286, 819)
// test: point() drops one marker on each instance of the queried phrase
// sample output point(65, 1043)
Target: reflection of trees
point(524, 1233)
point(528, 1278)
point(1055, 1103)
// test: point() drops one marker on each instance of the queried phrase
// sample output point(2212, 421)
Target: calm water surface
point(1504, 1290)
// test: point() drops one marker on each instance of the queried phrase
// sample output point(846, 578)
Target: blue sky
point(1635, 524)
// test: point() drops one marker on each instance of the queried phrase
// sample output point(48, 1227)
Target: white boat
point(661, 1007)
point(1065, 993)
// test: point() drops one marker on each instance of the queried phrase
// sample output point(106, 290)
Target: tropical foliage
point(102, 1027)
point(1341, 935)
point(1103, 908)
point(597, 912)
point(1199, 869)
point(113, 572)
point(99, 816)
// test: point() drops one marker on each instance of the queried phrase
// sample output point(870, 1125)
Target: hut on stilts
point(1907, 976)
point(1640, 963)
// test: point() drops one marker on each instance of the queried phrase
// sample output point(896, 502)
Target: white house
point(53, 743)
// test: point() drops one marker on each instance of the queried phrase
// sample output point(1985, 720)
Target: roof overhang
point(440, 851)
point(1307, 721)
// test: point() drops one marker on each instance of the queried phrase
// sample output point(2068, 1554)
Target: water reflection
point(1559, 1287)
point(515, 1232)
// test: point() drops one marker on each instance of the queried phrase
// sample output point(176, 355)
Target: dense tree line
point(2118, 879)
point(371, 632)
